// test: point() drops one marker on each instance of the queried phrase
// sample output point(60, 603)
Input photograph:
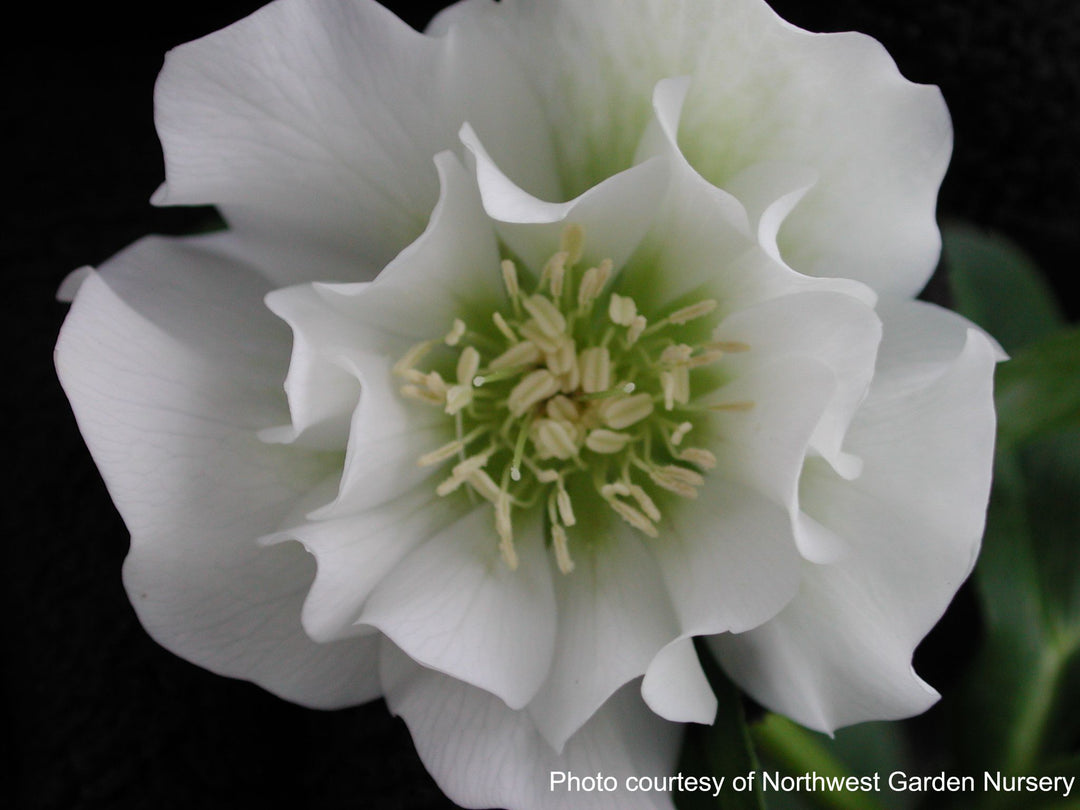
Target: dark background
point(95, 715)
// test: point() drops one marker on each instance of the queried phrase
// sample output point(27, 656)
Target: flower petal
point(355, 552)
point(762, 90)
point(453, 605)
point(840, 653)
point(614, 214)
point(728, 557)
point(171, 364)
point(312, 124)
point(614, 615)
point(675, 686)
point(484, 754)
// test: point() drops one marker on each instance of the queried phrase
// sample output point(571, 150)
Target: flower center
point(574, 395)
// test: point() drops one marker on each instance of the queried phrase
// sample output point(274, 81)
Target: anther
point(561, 548)
point(554, 438)
point(622, 310)
point(547, 316)
point(504, 327)
point(680, 433)
point(467, 366)
point(510, 279)
point(566, 509)
point(648, 506)
point(572, 242)
point(413, 356)
point(448, 450)
point(677, 479)
point(595, 363)
point(701, 308)
point(458, 397)
point(637, 327)
point(622, 413)
point(525, 353)
point(699, 456)
point(633, 517)
point(607, 442)
point(535, 387)
point(457, 331)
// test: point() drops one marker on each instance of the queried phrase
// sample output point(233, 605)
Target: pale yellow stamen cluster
point(565, 394)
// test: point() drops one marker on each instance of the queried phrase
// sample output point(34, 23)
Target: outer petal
point(762, 91)
point(170, 360)
point(614, 615)
point(840, 653)
point(453, 605)
point(312, 123)
point(483, 754)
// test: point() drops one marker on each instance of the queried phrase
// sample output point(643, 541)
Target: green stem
point(798, 751)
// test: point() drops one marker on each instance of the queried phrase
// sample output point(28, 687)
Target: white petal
point(312, 125)
point(614, 615)
point(483, 754)
point(454, 605)
point(762, 91)
point(354, 553)
point(704, 237)
point(675, 686)
point(838, 331)
point(840, 653)
point(171, 364)
point(728, 557)
point(615, 214)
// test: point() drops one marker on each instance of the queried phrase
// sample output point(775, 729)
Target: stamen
point(592, 283)
point(607, 442)
point(680, 433)
point(677, 479)
point(467, 366)
point(699, 456)
point(547, 316)
point(572, 242)
point(458, 397)
point(484, 486)
point(457, 331)
point(633, 517)
point(562, 360)
point(622, 310)
point(622, 413)
point(609, 491)
point(645, 502)
point(566, 509)
point(562, 551)
point(448, 450)
point(525, 353)
point(553, 438)
point(535, 387)
point(732, 406)
point(595, 363)
point(510, 279)
point(637, 328)
point(505, 528)
point(420, 394)
point(531, 331)
point(504, 327)
point(413, 356)
point(563, 408)
point(698, 310)
point(704, 359)
point(676, 355)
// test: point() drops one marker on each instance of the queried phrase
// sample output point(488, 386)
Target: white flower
point(641, 364)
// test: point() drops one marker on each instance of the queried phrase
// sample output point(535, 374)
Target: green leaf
point(1038, 390)
point(859, 751)
point(998, 286)
point(1024, 692)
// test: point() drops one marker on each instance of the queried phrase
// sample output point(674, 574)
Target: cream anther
point(484, 486)
point(645, 502)
point(595, 364)
point(622, 310)
point(634, 517)
point(677, 479)
point(458, 397)
point(510, 278)
point(680, 433)
point(563, 408)
point(456, 333)
point(692, 312)
point(467, 366)
point(676, 355)
point(607, 442)
point(554, 438)
point(448, 450)
point(504, 327)
point(704, 359)
point(562, 360)
point(637, 328)
point(572, 242)
point(592, 283)
point(520, 354)
point(562, 550)
point(414, 355)
point(535, 387)
point(699, 456)
point(420, 394)
point(622, 413)
point(546, 315)
point(566, 509)
point(531, 331)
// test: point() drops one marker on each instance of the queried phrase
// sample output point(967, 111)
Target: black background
point(95, 715)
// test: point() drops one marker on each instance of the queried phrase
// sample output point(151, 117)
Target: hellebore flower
point(603, 339)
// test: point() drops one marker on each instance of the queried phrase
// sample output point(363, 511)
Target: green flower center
point(574, 395)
